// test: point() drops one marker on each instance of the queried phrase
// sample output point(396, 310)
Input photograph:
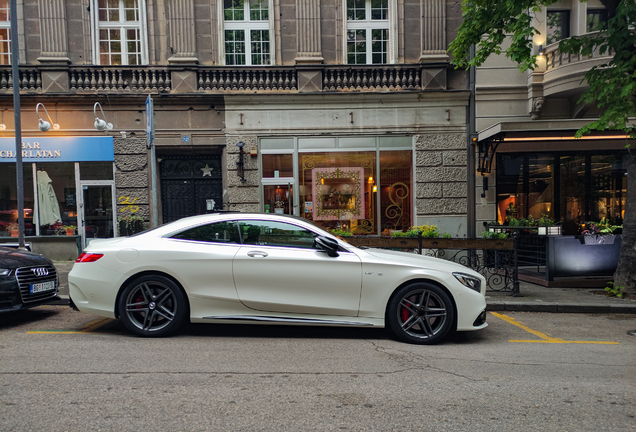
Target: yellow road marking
point(546, 338)
point(86, 328)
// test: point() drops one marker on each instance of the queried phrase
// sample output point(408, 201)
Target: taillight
point(88, 257)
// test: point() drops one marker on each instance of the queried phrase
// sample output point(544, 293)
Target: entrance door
point(98, 219)
point(190, 186)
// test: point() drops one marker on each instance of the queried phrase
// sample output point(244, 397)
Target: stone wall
point(441, 181)
point(239, 195)
point(131, 178)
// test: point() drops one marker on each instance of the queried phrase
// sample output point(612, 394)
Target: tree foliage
point(506, 26)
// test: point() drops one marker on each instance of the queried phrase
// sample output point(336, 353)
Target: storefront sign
point(59, 149)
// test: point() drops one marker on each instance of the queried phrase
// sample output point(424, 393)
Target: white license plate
point(44, 286)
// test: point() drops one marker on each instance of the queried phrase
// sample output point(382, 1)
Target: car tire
point(152, 306)
point(420, 313)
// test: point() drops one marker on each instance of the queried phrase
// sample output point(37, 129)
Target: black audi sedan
point(27, 279)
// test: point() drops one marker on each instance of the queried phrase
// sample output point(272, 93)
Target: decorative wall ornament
point(537, 107)
point(338, 193)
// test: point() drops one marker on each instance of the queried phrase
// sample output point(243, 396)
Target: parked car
point(27, 279)
point(275, 269)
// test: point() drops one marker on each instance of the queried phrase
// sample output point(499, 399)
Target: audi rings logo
point(40, 271)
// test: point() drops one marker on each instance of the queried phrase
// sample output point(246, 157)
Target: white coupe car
point(266, 268)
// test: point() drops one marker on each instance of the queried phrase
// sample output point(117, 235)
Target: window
point(246, 33)
point(5, 32)
point(596, 19)
point(271, 233)
point(220, 232)
point(558, 26)
point(367, 31)
point(120, 38)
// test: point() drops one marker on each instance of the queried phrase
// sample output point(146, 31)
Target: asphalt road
point(63, 370)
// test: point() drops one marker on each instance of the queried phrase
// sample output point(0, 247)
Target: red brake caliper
point(405, 314)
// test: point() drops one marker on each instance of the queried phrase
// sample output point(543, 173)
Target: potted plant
point(69, 229)
point(14, 229)
point(601, 232)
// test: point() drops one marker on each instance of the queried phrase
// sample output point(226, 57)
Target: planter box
point(570, 256)
point(430, 243)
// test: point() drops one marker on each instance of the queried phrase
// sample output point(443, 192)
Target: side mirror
point(327, 244)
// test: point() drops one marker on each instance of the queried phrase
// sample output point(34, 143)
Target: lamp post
point(18, 125)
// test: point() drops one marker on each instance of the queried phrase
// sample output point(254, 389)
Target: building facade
point(529, 163)
point(345, 112)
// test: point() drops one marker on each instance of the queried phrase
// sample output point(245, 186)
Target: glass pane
point(5, 10)
point(234, 10)
point(9, 200)
point(279, 199)
point(379, 9)
point(541, 186)
point(98, 212)
point(335, 191)
point(270, 233)
point(356, 47)
point(558, 26)
point(96, 170)
point(510, 197)
point(572, 189)
point(234, 47)
point(278, 165)
point(258, 10)
point(609, 188)
point(355, 10)
point(595, 19)
point(395, 190)
point(220, 232)
point(380, 40)
point(57, 203)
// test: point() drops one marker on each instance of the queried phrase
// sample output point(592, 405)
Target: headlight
point(5, 272)
point(469, 281)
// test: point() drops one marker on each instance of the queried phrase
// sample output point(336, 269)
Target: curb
point(560, 308)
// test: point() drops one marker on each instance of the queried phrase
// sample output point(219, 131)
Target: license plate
point(44, 286)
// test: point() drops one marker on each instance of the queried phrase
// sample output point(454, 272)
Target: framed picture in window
point(338, 193)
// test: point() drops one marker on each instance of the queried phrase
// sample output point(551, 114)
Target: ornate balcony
point(224, 80)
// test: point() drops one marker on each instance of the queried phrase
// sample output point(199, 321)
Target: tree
point(611, 86)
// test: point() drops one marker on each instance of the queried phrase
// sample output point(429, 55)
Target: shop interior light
point(45, 125)
point(100, 124)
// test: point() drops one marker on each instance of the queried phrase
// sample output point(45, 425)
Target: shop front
point(69, 193)
point(361, 185)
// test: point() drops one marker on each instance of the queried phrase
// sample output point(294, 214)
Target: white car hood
point(413, 259)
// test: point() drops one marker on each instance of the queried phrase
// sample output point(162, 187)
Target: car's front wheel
point(420, 313)
point(152, 305)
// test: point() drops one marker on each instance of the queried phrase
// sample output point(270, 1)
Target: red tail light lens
point(88, 257)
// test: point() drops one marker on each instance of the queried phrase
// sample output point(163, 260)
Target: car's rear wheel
point(152, 305)
point(420, 313)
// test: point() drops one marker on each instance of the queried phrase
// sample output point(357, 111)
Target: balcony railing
point(556, 59)
point(206, 79)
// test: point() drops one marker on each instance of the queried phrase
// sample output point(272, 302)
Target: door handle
point(256, 254)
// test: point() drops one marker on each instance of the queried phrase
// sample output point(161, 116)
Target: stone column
point(433, 25)
point(309, 49)
point(53, 37)
point(182, 31)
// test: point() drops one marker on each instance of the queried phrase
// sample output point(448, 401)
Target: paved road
point(64, 370)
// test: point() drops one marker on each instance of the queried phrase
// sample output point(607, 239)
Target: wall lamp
point(45, 125)
point(540, 50)
point(100, 124)
point(240, 165)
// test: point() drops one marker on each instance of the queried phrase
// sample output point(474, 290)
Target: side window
point(5, 33)
point(119, 32)
point(270, 233)
point(367, 31)
point(246, 33)
point(220, 232)
point(558, 26)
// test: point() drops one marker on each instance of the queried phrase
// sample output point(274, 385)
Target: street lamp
point(100, 124)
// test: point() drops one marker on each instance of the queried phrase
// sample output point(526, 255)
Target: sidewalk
point(535, 298)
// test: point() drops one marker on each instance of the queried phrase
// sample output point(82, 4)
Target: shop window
point(510, 195)
point(572, 205)
point(337, 190)
point(278, 165)
point(280, 234)
point(558, 26)
point(120, 32)
point(279, 199)
point(540, 185)
point(609, 189)
point(9, 200)
point(247, 33)
point(595, 19)
point(368, 31)
point(96, 170)
point(5, 32)
point(396, 197)
point(220, 232)
point(57, 201)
